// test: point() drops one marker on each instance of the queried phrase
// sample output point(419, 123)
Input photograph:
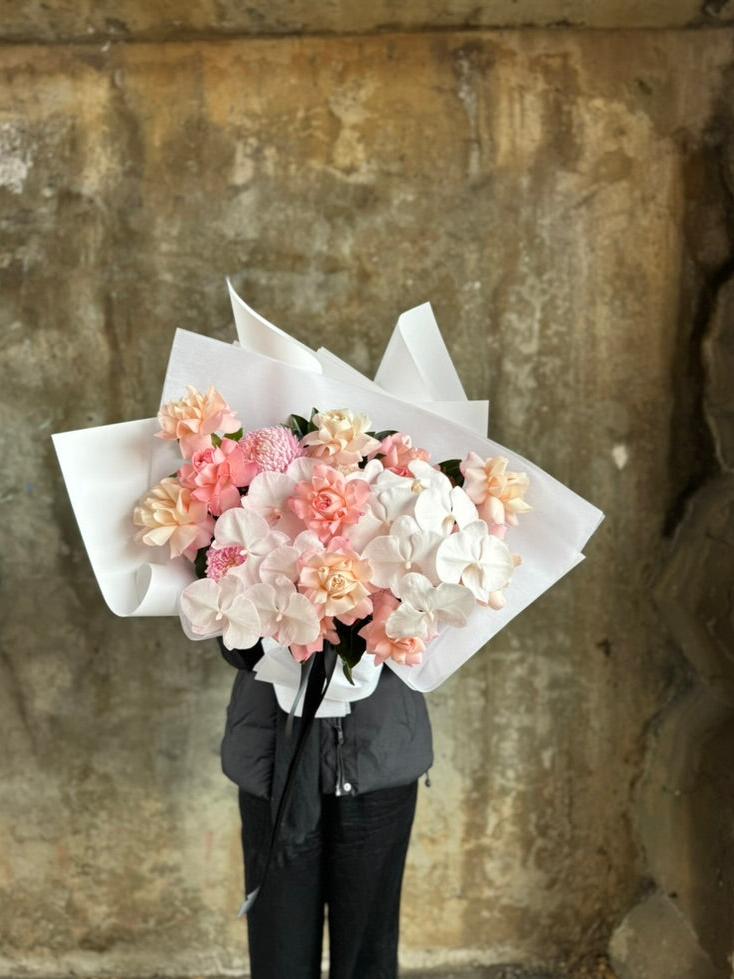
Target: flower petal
point(418, 591)
point(407, 621)
point(239, 526)
point(199, 608)
point(243, 628)
point(454, 604)
point(301, 624)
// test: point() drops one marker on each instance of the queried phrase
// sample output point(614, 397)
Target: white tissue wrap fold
point(278, 667)
point(106, 470)
point(263, 391)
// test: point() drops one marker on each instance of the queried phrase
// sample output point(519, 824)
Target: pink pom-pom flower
point(273, 449)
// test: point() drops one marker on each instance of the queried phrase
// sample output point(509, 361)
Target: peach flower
point(214, 475)
point(340, 438)
point(408, 651)
point(337, 580)
point(194, 419)
point(328, 503)
point(170, 514)
point(396, 451)
point(497, 493)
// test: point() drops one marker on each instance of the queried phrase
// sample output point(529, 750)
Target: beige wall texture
point(564, 200)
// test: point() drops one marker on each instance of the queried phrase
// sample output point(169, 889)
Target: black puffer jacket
point(384, 741)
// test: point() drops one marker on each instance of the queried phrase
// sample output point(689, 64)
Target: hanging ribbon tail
point(305, 674)
point(318, 678)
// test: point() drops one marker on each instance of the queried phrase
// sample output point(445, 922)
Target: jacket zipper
point(342, 787)
point(427, 780)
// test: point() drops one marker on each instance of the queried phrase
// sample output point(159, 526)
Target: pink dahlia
point(220, 560)
point(273, 449)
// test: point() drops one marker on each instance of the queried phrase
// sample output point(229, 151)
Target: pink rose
point(397, 451)
point(408, 651)
point(328, 503)
point(214, 475)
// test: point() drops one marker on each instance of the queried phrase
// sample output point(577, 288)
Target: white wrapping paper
point(278, 667)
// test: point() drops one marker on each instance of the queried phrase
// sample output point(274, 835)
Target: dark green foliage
point(451, 469)
point(200, 562)
point(351, 646)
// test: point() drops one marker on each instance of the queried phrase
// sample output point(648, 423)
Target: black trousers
point(353, 864)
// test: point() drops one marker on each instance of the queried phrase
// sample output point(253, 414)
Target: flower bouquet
point(322, 530)
point(418, 485)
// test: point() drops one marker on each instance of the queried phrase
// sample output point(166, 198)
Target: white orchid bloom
point(285, 560)
point(267, 496)
point(442, 506)
point(405, 548)
point(209, 608)
point(285, 614)
point(252, 534)
point(399, 494)
point(477, 559)
point(424, 608)
point(369, 473)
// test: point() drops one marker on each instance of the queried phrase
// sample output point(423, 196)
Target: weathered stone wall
point(560, 198)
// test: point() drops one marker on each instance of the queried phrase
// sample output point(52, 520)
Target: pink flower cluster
point(307, 535)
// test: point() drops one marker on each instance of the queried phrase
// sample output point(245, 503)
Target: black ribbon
point(316, 675)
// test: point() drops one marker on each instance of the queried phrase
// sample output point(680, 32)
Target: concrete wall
point(561, 198)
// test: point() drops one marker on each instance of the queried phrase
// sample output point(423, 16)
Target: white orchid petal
point(281, 560)
point(199, 609)
point(417, 590)
point(307, 541)
point(432, 510)
point(462, 507)
point(406, 622)
point(452, 556)
point(387, 558)
point(301, 469)
point(239, 526)
point(262, 595)
point(454, 604)
point(242, 629)
point(496, 562)
point(301, 623)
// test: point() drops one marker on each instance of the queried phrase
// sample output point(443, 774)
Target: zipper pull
point(427, 780)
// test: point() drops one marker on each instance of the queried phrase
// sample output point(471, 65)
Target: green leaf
point(351, 646)
point(200, 562)
point(383, 435)
point(216, 441)
point(451, 469)
point(298, 425)
point(235, 436)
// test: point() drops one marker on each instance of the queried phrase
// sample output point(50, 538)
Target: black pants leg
point(286, 924)
point(368, 838)
point(355, 864)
